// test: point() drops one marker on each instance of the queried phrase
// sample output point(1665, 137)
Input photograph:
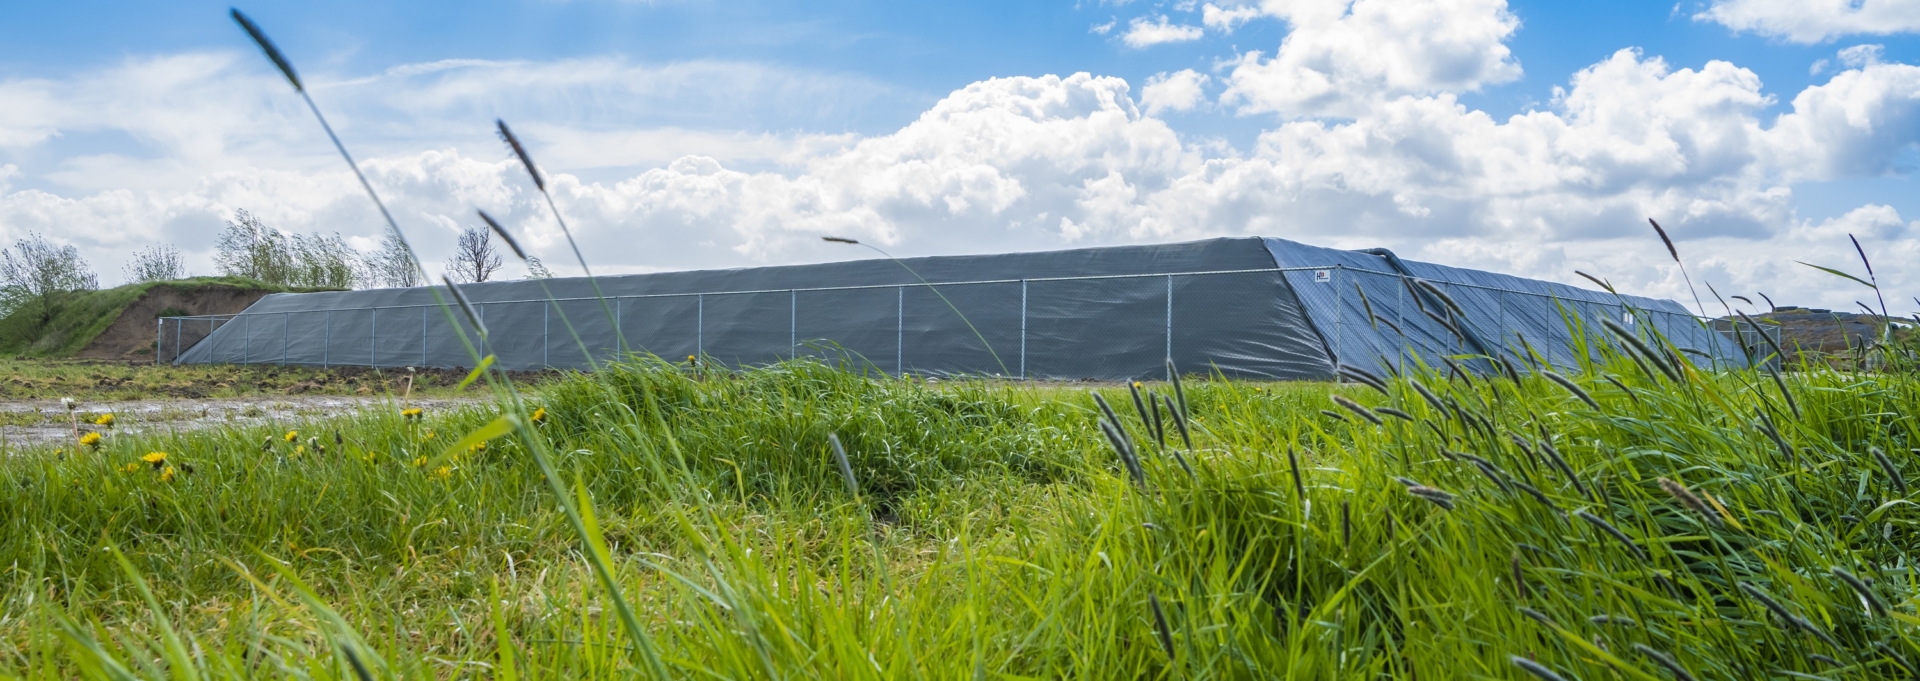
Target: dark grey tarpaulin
point(1250, 307)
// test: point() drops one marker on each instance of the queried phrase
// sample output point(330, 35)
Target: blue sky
point(708, 133)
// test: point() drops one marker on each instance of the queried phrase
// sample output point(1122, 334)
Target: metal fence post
point(1500, 301)
point(1169, 317)
point(1400, 319)
point(1023, 329)
point(900, 331)
point(1339, 312)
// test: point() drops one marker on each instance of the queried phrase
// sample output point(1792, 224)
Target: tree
point(537, 269)
point(156, 263)
point(250, 248)
point(474, 259)
point(391, 266)
point(324, 262)
point(35, 272)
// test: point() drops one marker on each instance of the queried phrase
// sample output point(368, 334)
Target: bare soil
point(131, 336)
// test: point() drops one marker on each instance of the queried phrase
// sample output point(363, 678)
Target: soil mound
point(120, 323)
point(130, 337)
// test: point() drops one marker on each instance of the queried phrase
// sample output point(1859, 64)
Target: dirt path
point(33, 422)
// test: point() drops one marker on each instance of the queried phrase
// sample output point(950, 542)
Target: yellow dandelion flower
point(690, 358)
point(539, 414)
point(429, 434)
point(166, 474)
point(299, 449)
point(155, 458)
point(90, 440)
point(410, 414)
point(419, 461)
point(479, 447)
point(1138, 384)
point(104, 420)
point(131, 467)
point(291, 435)
point(443, 472)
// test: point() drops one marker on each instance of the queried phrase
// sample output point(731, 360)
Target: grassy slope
point(995, 535)
point(84, 314)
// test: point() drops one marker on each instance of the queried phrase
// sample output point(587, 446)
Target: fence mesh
point(1055, 327)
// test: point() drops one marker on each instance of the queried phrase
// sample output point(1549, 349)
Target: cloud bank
point(1373, 151)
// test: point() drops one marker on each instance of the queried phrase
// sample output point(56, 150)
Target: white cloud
point(1862, 55)
point(1177, 91)
point(1027, 163)
point(1856, 125)
point(1225, 19)
point(1143, 33)
point(1340, 58)
point(1812, 21)
point(1103, 29)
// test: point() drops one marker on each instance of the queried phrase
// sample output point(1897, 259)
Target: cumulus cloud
point(1178, 91)
point(1812, 21)
point(1043, 162)
point(1142, 32)
point(1862, 55)
point(1341, 57)
point(1855, 125)
point(1225, 19)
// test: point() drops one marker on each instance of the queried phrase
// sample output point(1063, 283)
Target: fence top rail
point(1153, 275)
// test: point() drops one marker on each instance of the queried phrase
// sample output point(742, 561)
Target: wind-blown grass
point(996, 533)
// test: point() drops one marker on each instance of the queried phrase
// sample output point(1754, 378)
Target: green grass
point(994, 535)
point(81, 315)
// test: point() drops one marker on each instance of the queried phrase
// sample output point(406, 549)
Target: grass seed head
point(266, 45)
point(1893, 472)
point(1160, 625)
point(1571, 387)
point(519, 150)
point(502, 233)
point(1614, 532)
point(1536, 669)
point(1390, 411)
point(1686, 498)
point(1439, 497)
point(1859, 586)
point(1358, 409)
point(1664, 660)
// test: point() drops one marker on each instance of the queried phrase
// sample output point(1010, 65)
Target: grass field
point(1648, 522)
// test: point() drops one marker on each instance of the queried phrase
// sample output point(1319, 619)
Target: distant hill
point(1820, 333)
point(119, 323)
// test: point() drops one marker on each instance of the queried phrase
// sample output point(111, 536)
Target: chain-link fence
point(1280, 322)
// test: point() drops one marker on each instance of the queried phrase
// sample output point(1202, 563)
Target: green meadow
point(1638, 519)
